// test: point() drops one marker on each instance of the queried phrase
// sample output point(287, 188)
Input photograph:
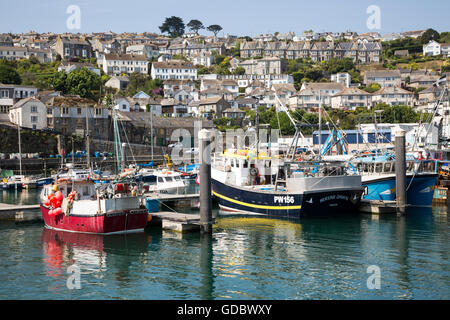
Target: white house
point(174, 69)
point(10, 94)
point(143, 49)
point(203, 58)
point(68, 67)
point(29, 113)
point(342, 77)
point(125, 63)
point(445, 49)
point(350, 98)
point(393, 96)
point(118, 82)
point(122, 104)
point(13, 53)
point(432, 48)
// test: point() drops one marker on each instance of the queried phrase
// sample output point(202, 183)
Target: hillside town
point(268, 152)
point(53, 82)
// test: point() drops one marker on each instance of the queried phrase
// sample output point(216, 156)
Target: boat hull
point(110, 223)
point(44, 181)
point(312, 203)
point(419, 193)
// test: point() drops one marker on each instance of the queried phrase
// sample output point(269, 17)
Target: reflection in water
point(93, 253)
point(206, 267)
point(245, 258)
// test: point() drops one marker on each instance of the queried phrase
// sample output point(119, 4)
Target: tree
point(239, 71)
point(428, 35)
point(174, 26)
point(373, 87)
point(8, 75)
point(195, 25)
point(83, 82)
point(339, 65)
point(215, 28)
point(236, 50)
point(58, 81)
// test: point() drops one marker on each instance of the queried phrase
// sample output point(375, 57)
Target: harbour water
point(246, 258)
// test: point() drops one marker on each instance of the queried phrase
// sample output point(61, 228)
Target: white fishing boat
point(167, 181)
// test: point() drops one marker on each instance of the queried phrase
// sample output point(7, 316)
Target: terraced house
point(361, 51)
point(350, 98)
point(73, 48)
point(116, 64)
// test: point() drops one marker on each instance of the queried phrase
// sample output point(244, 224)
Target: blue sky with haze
point(237, 17)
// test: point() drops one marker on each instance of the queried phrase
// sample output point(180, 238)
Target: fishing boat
point(12, 183)
point(82, 207)
point(167, 181)
point(75, 203)
point(189, 171)
point(378, 178)
point(250, 183)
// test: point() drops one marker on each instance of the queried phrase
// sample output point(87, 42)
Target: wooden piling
point(206, 220)
point(400, 172)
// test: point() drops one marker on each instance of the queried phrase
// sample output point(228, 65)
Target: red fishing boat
point(76, 205)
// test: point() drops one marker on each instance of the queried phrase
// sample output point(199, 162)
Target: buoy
point(50, 213)
point(59, 196)
point(57, 204)
point(149, 217)
point(50, 196)
point(57, 211)
point(47, 203)
point(55, 187)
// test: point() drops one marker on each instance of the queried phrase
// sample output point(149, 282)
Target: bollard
point(400, 172)
point(204, 137)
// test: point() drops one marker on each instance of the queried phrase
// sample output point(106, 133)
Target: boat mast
point(320, 125)
point(88, 142)
point(151, 129)
point(20, 147)
point(117, 142)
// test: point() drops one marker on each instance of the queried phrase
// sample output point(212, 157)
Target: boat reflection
point(93, 253)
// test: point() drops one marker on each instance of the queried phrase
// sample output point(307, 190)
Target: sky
point(237, 17)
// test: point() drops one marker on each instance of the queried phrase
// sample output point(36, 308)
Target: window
point(49, 111)
point(34, 109)
point(65, 110)
point(78, 110)
point(34, 119)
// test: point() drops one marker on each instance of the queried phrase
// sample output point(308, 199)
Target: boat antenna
point(298, 134)
point(437, 84)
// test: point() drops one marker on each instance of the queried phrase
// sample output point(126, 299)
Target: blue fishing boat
point(378, 178)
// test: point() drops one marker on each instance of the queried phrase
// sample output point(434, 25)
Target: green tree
point(428, 35)
point(8, 75)
point(339, 65)
point(445, 37)
point(239, 71)
point(174, 26)
point(58, 81)
point(215, 28)
point(195, 25)
point(236, 50)
point(371, 88)
point(83, 82)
